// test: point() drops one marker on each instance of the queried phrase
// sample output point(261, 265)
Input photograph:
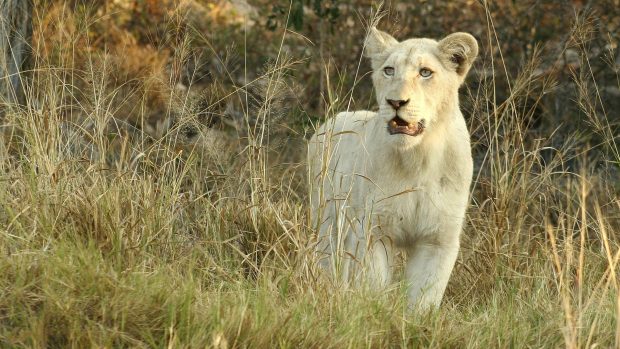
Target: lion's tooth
point(393, 123)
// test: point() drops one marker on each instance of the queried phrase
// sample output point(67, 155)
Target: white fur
point(374, 194)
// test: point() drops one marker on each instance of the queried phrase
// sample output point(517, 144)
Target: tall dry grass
point(117, 231)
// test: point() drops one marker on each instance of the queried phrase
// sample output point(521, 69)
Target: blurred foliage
point(163, 45)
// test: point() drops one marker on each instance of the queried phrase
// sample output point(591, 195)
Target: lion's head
point(416, 81)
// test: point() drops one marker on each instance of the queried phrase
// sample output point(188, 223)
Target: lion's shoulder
point(345, 132)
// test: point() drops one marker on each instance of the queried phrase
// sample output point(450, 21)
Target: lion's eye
point(426, 73)
point(388, 71)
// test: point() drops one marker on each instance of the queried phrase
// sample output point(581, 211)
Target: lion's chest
point(407, 212)
point(410, 208)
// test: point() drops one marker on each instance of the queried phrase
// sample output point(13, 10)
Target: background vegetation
point(153, 190)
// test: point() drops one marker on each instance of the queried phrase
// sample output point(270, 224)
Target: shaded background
point(231, 43)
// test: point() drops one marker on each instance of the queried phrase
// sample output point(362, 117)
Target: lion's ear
point(377, 42)
point(459, 50)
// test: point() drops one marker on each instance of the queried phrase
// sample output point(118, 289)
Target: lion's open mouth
point(400, 126)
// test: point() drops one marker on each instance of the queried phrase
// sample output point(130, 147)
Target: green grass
point(110, 237)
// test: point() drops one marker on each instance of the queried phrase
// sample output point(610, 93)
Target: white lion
point(397, 179)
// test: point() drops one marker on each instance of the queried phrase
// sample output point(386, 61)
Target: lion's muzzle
point(400, 126)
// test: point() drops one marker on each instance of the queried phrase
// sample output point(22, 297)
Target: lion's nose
point(396, 104)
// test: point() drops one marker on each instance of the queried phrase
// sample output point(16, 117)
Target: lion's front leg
point(428, 270)
point(355, 254)
point(367, 259)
